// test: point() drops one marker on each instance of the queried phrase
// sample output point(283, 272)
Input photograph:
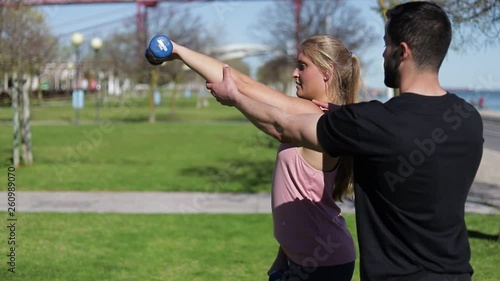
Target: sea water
point(491, 98)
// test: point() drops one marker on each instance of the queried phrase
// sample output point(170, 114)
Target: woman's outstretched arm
point(211, 70)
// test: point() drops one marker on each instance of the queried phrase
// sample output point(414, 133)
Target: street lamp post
point(77, 40)
point(96, 44)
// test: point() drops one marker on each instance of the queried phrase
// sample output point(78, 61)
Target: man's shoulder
point(365, 107)
point(359, 113)
point(464, 106)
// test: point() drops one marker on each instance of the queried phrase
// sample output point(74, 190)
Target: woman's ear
point(327, 74)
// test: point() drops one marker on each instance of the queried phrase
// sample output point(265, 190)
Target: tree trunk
point(153, 85)
point(25, 123)
point(5, 81)
point(39, 94)
point(397, 92)
point(15, 122)
point(152, 115)
point(173, 98)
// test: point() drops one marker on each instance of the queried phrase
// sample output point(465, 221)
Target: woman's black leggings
point(341, 272)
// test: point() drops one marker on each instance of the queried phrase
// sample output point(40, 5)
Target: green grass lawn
point(209, 149)
point(134, 108)
point(146, 157)
point(88, 247)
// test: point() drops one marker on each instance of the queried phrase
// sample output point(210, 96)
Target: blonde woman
point(315, 243)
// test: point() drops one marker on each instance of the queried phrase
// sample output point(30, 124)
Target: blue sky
point(465, 69)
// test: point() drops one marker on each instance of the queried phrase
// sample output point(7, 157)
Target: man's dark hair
point(425, 27)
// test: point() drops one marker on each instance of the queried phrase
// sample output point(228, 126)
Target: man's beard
point(391, 77)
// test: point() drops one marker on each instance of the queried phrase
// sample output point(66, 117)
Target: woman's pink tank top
point(307, 222)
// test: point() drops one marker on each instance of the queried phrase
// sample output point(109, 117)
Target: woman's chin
point(298, 91)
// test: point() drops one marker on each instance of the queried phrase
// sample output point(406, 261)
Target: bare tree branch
point(276, 27)
point(476, 23)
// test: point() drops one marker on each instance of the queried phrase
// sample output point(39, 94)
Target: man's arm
point(297, 129)
point(210, 69)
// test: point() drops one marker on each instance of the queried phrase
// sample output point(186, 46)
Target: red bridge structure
point(140, 5)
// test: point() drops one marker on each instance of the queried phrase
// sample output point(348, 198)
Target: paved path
point(190, 202)
point(490, 115)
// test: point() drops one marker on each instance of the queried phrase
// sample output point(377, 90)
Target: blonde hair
point(342, 88)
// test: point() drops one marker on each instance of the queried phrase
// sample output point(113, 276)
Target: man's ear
point(404, 51)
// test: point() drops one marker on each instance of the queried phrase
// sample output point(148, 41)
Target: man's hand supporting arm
point(296, 129)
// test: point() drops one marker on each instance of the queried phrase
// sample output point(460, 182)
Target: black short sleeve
point(355, 129)
point(338, 132)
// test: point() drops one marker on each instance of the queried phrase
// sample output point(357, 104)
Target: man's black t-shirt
point(415, 158)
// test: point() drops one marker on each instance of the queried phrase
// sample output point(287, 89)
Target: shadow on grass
point(134, 119)
point(6, 157)
point(474, 234)
point(251, 176)
point(174, 116)
point(72, 159)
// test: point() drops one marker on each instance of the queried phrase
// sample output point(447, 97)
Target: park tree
point(476, 23)
point(119, 57)
point(276, 72)
point(277, 28)
point(25, 45)
point(239, 65)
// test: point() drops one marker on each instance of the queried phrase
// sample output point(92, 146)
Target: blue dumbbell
point(159, 49)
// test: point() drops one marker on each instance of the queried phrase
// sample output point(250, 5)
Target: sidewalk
point(490, 115)
point(188, 202)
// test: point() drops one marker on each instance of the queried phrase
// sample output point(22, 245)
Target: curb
point(175, 203)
